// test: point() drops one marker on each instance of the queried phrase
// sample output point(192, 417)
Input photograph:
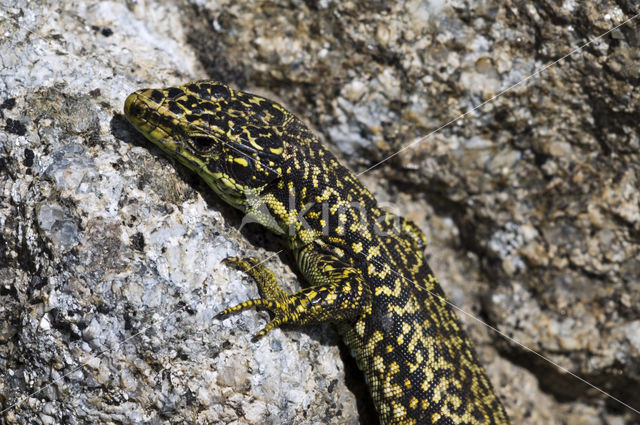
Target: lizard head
point(237, 142)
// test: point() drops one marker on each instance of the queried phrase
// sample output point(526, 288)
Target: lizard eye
point(202, 144)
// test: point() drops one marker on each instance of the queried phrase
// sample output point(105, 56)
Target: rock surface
point(110, 254)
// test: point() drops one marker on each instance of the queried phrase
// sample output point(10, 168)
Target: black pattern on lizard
point(364, 266)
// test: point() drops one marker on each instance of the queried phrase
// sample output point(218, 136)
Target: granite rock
point(110, 254)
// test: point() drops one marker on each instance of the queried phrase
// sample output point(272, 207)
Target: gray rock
point(110, 254)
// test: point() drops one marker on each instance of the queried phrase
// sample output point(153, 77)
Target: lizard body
point(364, 266)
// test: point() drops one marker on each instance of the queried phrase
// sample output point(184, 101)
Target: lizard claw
point(272, 324)
point(259, 303)
point(240, 263)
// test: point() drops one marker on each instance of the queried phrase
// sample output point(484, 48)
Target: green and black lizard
point(364, 266)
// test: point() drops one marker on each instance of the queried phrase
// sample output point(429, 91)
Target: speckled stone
point(530, 203)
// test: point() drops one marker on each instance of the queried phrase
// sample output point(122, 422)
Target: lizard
point(364, 266)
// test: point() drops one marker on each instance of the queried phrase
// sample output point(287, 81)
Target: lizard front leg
point(338, 291)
